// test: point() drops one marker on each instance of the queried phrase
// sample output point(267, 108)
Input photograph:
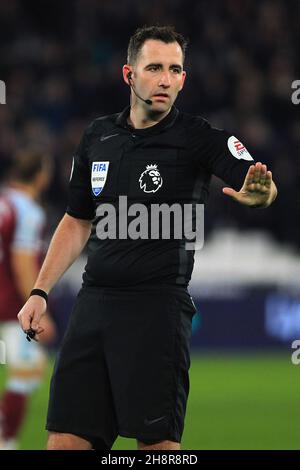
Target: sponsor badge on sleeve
point(237, 149)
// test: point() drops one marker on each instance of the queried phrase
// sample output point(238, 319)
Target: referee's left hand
point(258, 189)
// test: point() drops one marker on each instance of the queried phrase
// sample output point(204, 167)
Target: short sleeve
point(222, 154)
point(30, 222)
point(80, 201)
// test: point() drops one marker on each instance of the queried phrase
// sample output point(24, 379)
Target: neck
point(27, 189)
point(141, 117)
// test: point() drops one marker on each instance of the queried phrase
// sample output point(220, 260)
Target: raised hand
point(258, 189)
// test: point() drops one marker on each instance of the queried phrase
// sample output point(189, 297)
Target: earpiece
point(149, 102)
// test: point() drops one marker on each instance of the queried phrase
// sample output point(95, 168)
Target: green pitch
point(236, 402)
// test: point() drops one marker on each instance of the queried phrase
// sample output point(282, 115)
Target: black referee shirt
point(113, 159)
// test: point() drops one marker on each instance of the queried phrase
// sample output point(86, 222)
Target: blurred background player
point(60, 66)
point(22, 222)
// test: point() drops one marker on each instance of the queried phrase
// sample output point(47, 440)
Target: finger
point(38, 332)
point(253, 175)
point(257, 173)
point(25, 321)
point(229, 192)
point(35, 322)
point(268, 181)
point(263, 175)
point(249, 176)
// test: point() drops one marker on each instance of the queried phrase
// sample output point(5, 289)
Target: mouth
point(162, 96)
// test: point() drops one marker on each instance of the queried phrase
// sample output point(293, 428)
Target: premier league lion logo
point(150, 180)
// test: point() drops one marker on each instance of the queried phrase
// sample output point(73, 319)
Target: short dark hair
point(165, 34)
point(27, 163)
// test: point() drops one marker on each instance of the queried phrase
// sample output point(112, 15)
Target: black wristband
point(39, 292)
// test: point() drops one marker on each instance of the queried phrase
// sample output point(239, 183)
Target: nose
point(164, 79)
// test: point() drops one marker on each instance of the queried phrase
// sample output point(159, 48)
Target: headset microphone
point(130, 79)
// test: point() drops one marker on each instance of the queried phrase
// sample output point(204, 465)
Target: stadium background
point(61, 62)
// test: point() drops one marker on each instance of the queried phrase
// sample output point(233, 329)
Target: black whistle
point(30, 334)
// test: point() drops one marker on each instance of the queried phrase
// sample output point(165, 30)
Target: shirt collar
point(165, 123)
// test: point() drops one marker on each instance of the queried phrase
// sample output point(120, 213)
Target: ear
point(126, 70)
point(183, 79)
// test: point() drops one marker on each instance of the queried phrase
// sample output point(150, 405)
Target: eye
point(153, 68)
point(176, 70)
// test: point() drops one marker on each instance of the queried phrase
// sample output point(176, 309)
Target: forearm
point(67, 243)
point(25, 271)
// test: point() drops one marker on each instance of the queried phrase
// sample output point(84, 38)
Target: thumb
point(229, 192)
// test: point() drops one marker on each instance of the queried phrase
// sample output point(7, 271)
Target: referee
point(123, 365)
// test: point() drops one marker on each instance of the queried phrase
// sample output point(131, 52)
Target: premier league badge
point(150, 180)
point(98, 176)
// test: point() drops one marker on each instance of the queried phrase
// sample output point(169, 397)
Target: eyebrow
point(178, 66)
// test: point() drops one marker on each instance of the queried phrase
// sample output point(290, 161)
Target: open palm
point(257, 187)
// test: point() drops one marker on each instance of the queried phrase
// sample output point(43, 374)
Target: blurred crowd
point(61, 62)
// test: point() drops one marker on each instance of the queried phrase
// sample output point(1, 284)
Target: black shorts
point(123, 366)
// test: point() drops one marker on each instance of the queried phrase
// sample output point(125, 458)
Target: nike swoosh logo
point(105, 137)
point(152, 421)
